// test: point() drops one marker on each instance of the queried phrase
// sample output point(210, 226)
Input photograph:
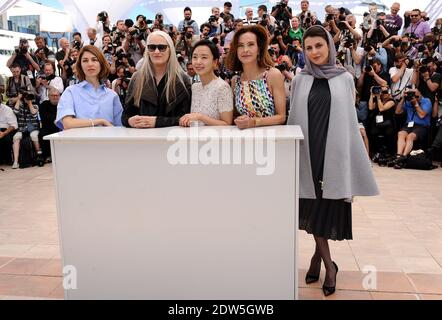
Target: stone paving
point(399, 233)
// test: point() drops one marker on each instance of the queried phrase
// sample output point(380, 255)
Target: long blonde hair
point(173, 72)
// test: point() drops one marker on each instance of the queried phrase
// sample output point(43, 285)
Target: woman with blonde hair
point(159, 94)
point(89, 103)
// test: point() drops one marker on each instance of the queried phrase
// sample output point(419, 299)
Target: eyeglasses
point(414, 15)
point(160, 47)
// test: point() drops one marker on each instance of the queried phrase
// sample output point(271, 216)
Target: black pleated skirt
point(325, 218)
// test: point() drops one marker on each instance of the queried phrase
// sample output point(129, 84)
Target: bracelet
point(92, 122)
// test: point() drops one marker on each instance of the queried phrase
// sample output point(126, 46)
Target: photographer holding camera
point(282, 12)
point(17, 82)
point(353, 58)
point(401, 76)
point(67, 64)
point(380, 123)
point(134, 44)
point(43, 53)
point(378, 33)
point(47, 79)
point(371, 76)
point(419, 28)
point(426, 77)
point(296, 54)
point(26, 111)
point(418, 111)
point(21, 56)
point(188, 22)
point(225, 27)
point(121, 83)
point(103, 24)
point(77, 42)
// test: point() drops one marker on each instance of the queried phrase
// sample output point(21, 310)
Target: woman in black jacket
point(160, 92)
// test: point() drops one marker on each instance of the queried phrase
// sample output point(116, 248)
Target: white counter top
point(280, 133)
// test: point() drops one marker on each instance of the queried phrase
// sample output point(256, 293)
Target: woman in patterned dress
point(259, 88)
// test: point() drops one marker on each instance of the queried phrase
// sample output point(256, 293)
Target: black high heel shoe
point(330, 290)
point(309, 278)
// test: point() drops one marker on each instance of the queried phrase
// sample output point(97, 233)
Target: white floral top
point(212, 99)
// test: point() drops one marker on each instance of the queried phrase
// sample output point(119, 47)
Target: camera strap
point(400, 84)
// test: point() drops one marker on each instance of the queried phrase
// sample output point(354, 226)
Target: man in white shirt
point(8, 125)
point(48, 79)
point(94, 39)
point(401, 76)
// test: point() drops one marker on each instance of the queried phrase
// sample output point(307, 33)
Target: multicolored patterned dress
point(253, 98)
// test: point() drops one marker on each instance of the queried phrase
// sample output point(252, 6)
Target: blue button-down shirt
point(84, 102)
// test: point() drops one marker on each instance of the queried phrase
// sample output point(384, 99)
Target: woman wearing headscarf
point(334, 166)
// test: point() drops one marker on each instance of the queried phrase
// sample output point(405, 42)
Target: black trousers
point(437, 142)
point(45, 145)
point(6, 148)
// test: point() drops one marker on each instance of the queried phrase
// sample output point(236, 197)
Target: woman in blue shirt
point(89, 103)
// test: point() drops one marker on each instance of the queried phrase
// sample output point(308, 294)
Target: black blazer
point(153, 104)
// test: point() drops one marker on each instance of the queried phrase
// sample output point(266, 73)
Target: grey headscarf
point(326, 71)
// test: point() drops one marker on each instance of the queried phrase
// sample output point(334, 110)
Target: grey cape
point(347, 169)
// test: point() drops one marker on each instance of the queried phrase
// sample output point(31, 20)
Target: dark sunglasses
point(414, 15)
point(226, 51)
point(153, 47)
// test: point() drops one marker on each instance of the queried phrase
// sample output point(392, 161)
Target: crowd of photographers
point(395, 61)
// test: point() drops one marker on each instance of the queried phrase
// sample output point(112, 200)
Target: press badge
point(379, 119)
point(30, 75)
point(411, 124)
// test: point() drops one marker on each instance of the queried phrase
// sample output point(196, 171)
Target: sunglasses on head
point(153, 47)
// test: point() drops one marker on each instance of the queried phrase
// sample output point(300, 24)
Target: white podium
point(140, 219)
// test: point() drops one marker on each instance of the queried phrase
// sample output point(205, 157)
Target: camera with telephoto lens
point(27, 95)
point(376, 90)
point(102, 16)
point(409, 95)
point(379, 23)
point(397, 43)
